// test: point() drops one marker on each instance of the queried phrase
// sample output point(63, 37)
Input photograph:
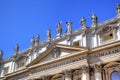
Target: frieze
point(58, 64)
point(105, 53)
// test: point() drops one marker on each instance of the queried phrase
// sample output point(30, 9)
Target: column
point(68, 74)
point(85, 72)
point(98, 70)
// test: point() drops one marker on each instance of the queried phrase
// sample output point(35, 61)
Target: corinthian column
point(98, 70)
point(68, 74)
point(85, 72)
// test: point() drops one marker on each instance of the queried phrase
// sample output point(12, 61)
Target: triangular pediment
point(56, 51)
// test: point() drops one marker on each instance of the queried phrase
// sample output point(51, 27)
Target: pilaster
point(85, 72)
point(98, 71)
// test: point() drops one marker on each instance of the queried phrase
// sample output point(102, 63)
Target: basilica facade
point(89, 53)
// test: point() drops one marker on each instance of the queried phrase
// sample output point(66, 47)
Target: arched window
point(115, 75)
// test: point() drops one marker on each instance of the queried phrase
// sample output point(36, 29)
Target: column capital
point(98, 68)
point(68, 72)
point(85, 68)
point(45, 77)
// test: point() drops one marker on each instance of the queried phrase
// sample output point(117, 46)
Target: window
point(115, 75)
point(21, 64)
point(76, 43)
point(6, 70)
point(108, 36)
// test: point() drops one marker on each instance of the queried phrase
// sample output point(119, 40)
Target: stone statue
point(83, 22)
point(37, 39)
point(1, 54)
point(69, 27)
point(118, 9)
point(59, 29)
point(32, 42)
point(16, 49)
point(94, 19)
point(49, 34)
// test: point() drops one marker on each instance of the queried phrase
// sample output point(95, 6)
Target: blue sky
point(20, 20)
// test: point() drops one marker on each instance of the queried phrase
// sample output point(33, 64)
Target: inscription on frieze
point(115, 51)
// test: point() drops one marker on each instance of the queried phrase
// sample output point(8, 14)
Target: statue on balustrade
point(16, 49)
point(69, 27)
point(59, 29)
point(32, 42)
point(83, 22)
point(1, 54)
point(49, 34)
point(37, 39)
point(94, 20)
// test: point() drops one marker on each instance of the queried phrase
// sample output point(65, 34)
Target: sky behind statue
point(20, 20)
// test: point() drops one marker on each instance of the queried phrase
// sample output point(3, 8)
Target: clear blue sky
point(20, 20)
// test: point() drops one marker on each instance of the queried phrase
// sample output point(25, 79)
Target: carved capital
point(77, 73)
point(85, 68)
point(68, 73)
point(45, 77)
point(97, 68)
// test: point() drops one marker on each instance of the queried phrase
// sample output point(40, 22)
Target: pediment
point(56, 52)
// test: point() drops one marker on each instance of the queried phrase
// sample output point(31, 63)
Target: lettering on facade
point(106, 53)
